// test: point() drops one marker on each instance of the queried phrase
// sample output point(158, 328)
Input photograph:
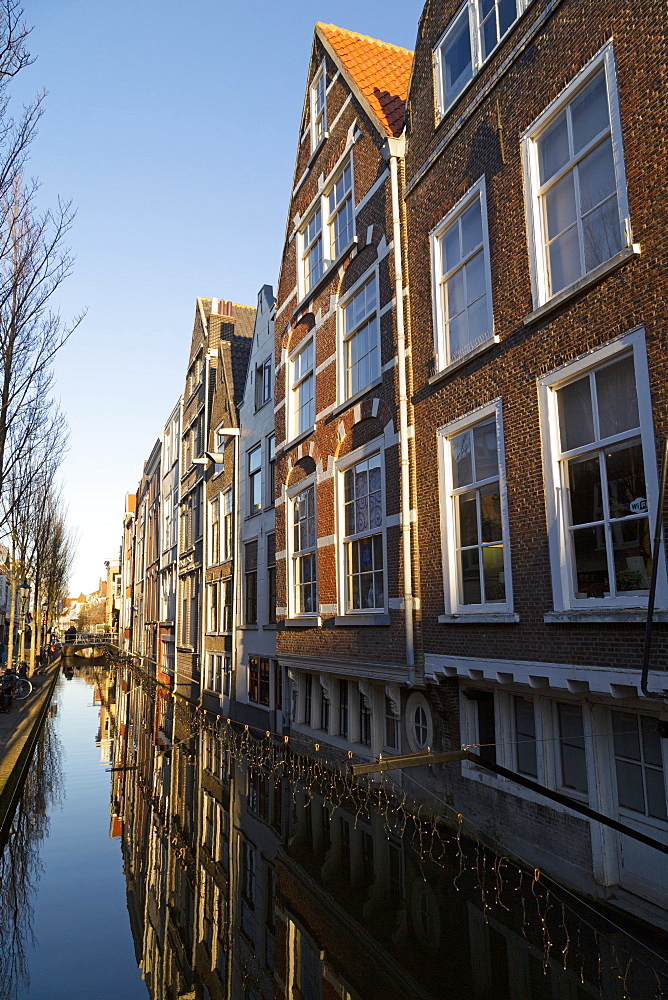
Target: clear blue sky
point(173, 129)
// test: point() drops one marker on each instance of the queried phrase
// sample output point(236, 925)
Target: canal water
point(163, 852)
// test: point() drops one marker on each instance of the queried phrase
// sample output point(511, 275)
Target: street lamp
point(45, 608)
point(24, 591)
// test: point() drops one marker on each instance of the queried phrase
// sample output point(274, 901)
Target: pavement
point(19, 729)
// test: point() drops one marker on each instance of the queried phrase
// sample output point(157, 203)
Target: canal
point(162, 852)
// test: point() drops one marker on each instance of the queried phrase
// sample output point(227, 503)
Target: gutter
point(396, 150)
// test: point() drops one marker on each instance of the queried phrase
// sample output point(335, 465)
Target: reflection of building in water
point(253, 874)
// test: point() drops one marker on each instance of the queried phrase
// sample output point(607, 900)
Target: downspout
point(396, 149)
point(656, 553)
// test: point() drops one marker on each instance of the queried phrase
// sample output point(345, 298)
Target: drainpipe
point(656, 555)
point(396, 149)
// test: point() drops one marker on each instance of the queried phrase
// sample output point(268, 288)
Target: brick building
point(536, 234)
point(343, 424)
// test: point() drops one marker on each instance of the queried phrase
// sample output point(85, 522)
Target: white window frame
point(557, 522)
point(540, 283)
point(442, 350)
point(295, 382)
point(293, 554)
point(370, 450)
point(469, 13)
point(318, 115)
point(227, 511)
point(346, 337)
point(324, 234)
point(254, 478)
point(215, 518)
point(212, 588)
point(263, 383)
point(306, 245)
point(332, 213)
point(452, 603)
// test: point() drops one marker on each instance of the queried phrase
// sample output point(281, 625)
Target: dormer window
point(318, 107)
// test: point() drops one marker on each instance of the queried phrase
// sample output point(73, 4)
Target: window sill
point(566, 294)
point(254, 513)
point(315, 621)
point(352, 621)
point(325, 277)
point(288, 445)
point(469, 356)
point(316, 149)
point(580, 616)
point(491, 618)
point(352, 400)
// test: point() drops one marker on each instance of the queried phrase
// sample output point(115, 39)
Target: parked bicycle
point(13, 687)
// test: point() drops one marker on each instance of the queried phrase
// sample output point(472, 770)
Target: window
point(475, 549)
point(313, 262)
point(271, 470)
point(469, 39)
point(214, 607)
point(639, 765)
point(324, 709)
point(391, 725)
point(462, 279)
point(227, 605)
point(363, 541)
point(255, 479)
point(364, 721)
point(308, 698)
point(214, 535)
point(227, 525)
point(601, 477)
point(258, 680)
point(271, 578)
point(303, 390)
point(262, 383)
point(525, 736)
point(341, 215)
point(304, 585)
point(572, 755)
point(343, 709)
point(217, 673)
point(361, 347)
point(250, 582)
point(318, 107)
point(576, 188)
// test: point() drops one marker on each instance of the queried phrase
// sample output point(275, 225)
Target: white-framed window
point(419, 722)
point(360, 337)
point(217, 673)
point(571, 758)
point(639, 766)
point(362, 554)
point(255, 479)
point(313, 250)
point(214, 621)
point(476, 549)
point(576, 198)
point(227, 526)
point(303, 388)
point(271, 470)
point(214, 530)
point(263, 383)
point(303, 555)
point(392, 722)
point(318, 97)
point(467, 42)
point(341, 214)
point(462, 282)
point(601, 481)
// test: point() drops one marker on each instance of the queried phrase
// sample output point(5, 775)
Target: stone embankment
point(19, 731)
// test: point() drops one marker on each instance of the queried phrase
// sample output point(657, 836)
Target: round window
point(419, 724)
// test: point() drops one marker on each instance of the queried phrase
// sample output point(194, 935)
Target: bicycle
point(21, 686)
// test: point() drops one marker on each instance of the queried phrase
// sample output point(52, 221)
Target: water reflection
point(20, 867)
point(254, 871)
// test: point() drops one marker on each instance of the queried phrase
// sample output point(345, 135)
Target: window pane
point(564, 259)
point(651, 741)
point(584, 480)
point(573, 762)
point(617, 398)
point(484, 443)
point(456, 58)
point(632, 554)
point(525, 728)
point(478, 321)
point(475, 277)
point(629, 785)
point(591, 564)
point(456, 294)
point(468, 518)
point(589, 112)
point(576, 420)
point(596, 175)
point(625, 735)
point(495, 588)
point(471, 222)
point(560, 211)
point(470, 576)
point(553, 148)
point(656, 794)
point(490, 513)
point(462, 466)
point(451, 252)
point(626, 479)
point(601, 234)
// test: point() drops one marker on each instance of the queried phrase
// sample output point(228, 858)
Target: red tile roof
point(379, 70)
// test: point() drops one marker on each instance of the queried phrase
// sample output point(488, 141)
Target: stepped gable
point(378, 71)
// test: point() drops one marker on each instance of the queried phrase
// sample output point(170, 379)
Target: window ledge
point(252, 514)
point(352, 621)
point(583, 615)
point(295, 441)
point(493, 618)
point(352, 400)
point(566, 294)
point(325, 277)
point(316, 149)
point(465, 358)
point(315, 621)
